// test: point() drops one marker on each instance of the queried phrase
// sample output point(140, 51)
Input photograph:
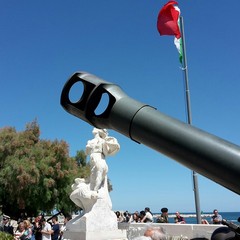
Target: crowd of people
point(42, 229)
point(146, 216)
point(38, 228)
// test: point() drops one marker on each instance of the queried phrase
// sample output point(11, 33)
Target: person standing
point(216, 218)
point(55, 228)
point(20, 231)
point(179, 219)
point(28, 230)
point(37, 228)
point(119, 216)
point(164, 216)
point(46, 229)
point(7, 227)
point(148, 216)
point(135, 217)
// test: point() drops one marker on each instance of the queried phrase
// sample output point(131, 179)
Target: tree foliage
point(36, 174)
point(6, 236)
point(81, 158)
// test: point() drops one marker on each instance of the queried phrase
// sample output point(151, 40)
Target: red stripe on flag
point(167, 23)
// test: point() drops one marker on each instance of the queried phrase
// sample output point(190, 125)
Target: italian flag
point(168, 24)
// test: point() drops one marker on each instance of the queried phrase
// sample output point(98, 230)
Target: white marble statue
point(98, 148)
point(97, 221)
point(87, 191)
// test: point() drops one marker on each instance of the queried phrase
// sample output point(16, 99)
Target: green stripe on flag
point(178, 44)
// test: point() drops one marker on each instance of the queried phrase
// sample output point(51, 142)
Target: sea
point(191, 218)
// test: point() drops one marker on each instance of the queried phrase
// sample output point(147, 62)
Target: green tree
point(6, 236)
point(35, 174)
point(81, 158)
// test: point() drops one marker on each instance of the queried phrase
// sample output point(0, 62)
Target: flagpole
point(189, 118)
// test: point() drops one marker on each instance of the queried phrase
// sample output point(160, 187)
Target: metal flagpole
point(189, 119)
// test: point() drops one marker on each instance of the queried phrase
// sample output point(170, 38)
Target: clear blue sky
point(43, 43)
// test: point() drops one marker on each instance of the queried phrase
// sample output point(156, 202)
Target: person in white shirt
point(46, 230)
point(148, 216)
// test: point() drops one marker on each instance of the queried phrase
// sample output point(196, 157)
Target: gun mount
point(209, 155)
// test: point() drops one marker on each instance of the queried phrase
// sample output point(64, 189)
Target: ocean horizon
point(190, 217)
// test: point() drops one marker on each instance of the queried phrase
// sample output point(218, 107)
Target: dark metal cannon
point(209, 155)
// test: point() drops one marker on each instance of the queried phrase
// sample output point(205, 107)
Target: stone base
point(98, 224)
point(99, 235)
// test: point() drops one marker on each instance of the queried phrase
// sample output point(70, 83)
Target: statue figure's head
point(102, 132)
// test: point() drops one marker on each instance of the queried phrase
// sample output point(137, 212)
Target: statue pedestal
point(100, 223)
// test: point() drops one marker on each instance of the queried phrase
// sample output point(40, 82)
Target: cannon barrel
point(209, 155)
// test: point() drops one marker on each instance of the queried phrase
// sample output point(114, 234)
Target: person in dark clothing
point(7, 227)
point(216, 218)
point(164, 216)
point(179, 219)
point(37, 228)
point(142, 215)
point(55, 228)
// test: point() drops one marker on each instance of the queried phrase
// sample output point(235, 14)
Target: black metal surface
point(209, 155)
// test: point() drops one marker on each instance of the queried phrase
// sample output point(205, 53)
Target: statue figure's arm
point(111, 146)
